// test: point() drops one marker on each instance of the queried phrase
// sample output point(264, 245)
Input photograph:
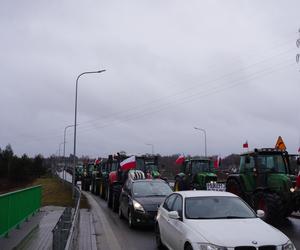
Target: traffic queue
point(193, 216)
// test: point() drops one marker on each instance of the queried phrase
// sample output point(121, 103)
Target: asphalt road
point(291, 227)
point(114, 233)
point(120, 236)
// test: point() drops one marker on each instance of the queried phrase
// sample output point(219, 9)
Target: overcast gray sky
point(225, 66)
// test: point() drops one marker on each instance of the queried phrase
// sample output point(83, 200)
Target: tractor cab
point(195, 173)
point(264, 168)
point(149, 165)
point(265, 181)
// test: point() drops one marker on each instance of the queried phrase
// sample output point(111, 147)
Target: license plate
point(216, 186)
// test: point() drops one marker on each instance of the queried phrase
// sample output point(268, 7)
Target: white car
point(211, 220)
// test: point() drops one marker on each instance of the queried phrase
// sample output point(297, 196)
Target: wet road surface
point(144, 238)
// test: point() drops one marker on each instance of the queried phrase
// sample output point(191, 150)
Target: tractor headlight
point(288, 246)
point(204, 246)
point(292, 190)
point(137, 206)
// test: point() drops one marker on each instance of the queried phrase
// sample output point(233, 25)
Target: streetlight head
point(100, 71)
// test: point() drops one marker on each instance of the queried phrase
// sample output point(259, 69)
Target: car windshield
point(200, 166)
point(215, 207)
point(271, 163)
point(150, 188)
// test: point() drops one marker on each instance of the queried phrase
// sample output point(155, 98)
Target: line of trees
point(24, 168)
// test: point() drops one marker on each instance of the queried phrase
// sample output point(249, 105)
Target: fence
point(66, 231)
point(18, 206)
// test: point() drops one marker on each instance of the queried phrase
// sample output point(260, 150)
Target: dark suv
point(140, 199)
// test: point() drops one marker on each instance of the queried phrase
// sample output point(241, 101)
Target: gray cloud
point(226, 66)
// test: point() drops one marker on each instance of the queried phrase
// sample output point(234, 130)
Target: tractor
point(88, 168)
point(96, 175)
point(265, 182)
point(78, 173)
point(196, 173)
point(149, 165)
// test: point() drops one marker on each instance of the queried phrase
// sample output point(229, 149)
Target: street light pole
point(59, 154)
point(65, 162)
point(75, 123)
point(152, 147)
point(59, 149)
point(203, 130)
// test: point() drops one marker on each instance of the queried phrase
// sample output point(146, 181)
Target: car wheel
point(130, 220)
point(188, 247)
point(159, 243)
point(120, 213)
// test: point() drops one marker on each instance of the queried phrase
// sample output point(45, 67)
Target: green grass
point(55, 192)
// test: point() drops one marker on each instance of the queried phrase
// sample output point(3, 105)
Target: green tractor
point(78, 173)
point(149, 165)
point(265, 182)
point(196, 173)
point(96, 175)
point(86, 178)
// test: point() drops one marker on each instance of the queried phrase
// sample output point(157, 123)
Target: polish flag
point(180, 160)
point(97, 161)
point(128, 163)
point(245, 145)
point(217, 162)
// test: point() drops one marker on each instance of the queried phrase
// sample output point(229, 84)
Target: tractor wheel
point(109, 198)
point(233, 186)
point(101, 191)
point(179, 185)
point(115, 203)
point(271, 204)
point(121, 216)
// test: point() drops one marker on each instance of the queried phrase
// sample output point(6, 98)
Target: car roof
point(204, 193)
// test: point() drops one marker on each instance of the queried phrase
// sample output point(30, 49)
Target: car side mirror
point(174, 215)
point(260, 213)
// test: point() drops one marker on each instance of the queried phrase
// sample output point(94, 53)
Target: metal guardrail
point(65, 233)
point(18, 206)
point(74, 231)
point(62, 229)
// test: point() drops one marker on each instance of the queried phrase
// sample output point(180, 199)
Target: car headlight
point(137, 206)
point(288, 246)
point(203, 246)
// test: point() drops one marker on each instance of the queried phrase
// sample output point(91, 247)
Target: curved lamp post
point(64, 152)
point(75, 122)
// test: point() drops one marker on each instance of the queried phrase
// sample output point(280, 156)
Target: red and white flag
point(128, 163)
point(217, 162)
point(97, 161)
point(180, 160)
point(245, 145)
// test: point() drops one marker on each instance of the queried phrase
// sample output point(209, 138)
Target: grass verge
point(55, 192)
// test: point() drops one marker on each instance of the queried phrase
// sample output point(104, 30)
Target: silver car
point(210, 220)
